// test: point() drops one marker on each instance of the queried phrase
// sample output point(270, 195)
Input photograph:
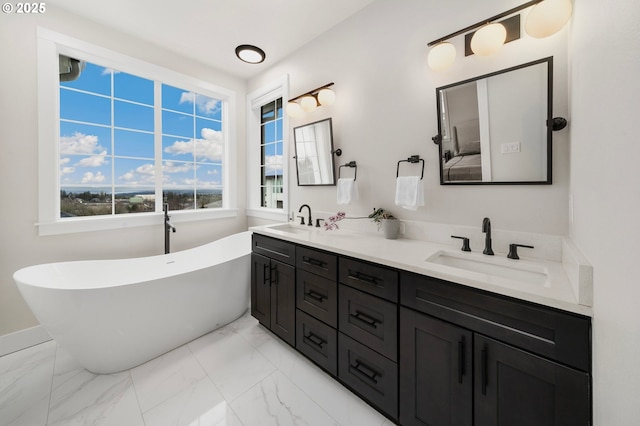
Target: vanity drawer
point(368, 374)
point(560, 336)
point(273, 248)
point(317, 262)
point(373, 279)
point(317, 341)
point(317, 296)
point(369, 320)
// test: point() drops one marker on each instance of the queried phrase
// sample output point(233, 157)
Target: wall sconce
point(546, 18)
point(308, 102)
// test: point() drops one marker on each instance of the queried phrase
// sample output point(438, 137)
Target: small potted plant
point(385, 220)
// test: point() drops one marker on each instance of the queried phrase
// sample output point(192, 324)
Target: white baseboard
point(22, 339)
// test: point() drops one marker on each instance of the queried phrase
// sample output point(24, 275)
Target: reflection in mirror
point(314, 158)
point(493, 129)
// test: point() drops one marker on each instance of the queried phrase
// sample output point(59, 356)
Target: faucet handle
point(301, 220)
point(318, 222)
point(465, 243)
point(513, 250)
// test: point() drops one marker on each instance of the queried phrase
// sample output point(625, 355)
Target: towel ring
point(412, 159)
point(349, 164)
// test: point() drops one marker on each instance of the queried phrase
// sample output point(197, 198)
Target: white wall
point(605, 184)
point(385, 111)
point(20, 244)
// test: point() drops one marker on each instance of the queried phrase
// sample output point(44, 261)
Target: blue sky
point(94, 153)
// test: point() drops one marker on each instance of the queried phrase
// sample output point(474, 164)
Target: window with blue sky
point(271, 165)
point(113, 123)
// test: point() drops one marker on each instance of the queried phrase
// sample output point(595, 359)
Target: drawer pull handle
point(314, 262)
point(484, 370)
point(460, 359)
point(315, 340)
point(363, 277)
point(365, 319)
point(315, 296)
point(364, 371)
point(267, 274)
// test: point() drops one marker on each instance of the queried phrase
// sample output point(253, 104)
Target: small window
point(271, 146)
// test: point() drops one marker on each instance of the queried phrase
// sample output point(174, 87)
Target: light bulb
point(548, 17)
point(441, 56)
point(308, 103)
point(488, 39)
point(326, 97)
point(294, 110)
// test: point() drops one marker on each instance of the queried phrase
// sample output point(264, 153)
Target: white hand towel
point(347, 190)
point(409, 192)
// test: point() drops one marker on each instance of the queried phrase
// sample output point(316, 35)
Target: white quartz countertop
point(411, 255)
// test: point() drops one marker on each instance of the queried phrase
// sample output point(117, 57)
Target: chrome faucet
point(310, 223)
point(167, 227)
point(486, 228)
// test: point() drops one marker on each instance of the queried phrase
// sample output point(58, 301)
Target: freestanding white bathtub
point(112, 315)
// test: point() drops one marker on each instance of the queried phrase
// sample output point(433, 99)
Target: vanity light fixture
point(546, 18)
point(308, 102)
point(250, 54)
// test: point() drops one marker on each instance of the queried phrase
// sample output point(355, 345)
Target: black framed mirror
point(314, 153)
point(496, 128)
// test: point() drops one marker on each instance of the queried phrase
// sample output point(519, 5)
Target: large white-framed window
point(127, 137)
point(267, 152)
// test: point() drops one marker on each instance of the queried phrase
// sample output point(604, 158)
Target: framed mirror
point(314, 153)
point(496, 128)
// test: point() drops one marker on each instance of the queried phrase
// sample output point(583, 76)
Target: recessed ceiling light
point(250, 54)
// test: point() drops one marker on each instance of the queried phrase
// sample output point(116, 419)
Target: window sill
point(91, 224)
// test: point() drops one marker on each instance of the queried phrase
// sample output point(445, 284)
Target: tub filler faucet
point(167, 227)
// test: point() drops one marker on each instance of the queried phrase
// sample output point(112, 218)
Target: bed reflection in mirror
point(314, 158)
point(493, 129)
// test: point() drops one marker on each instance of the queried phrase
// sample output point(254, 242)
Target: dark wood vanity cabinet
point(273, 286)
point(368, 332)
point(424, 351)
point(455, 371)
point(317, 307)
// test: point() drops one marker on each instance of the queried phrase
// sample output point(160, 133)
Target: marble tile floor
point(239, 374)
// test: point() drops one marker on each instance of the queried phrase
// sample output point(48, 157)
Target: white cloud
point(209, 147)
point(146, 169)
point(204, 104)
point(129, 176)
point(93, 161)
point(79, 143)
point(171, 167)
point(67, 170)
point(144, 174)
point(273, 163)
point(90, 177)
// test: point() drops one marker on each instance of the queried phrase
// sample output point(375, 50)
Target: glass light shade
point(488, 39)
point(441, 56)
point(308, 104)
point(250, 54)
point(548, 17)
point(326, 97)
point(294, 109)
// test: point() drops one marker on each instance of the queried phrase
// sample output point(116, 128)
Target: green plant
point(378, 215)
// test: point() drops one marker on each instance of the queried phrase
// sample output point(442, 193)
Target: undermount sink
point(293, 229)
point(514, 270)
